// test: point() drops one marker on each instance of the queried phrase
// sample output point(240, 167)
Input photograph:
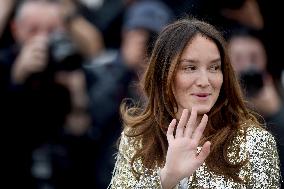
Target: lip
point(201, 96)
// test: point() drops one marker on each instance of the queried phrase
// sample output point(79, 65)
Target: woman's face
point(199, 76)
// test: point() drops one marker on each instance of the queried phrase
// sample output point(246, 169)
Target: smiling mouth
point(201, 94)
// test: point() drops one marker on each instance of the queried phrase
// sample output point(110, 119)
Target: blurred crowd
point(66, 65)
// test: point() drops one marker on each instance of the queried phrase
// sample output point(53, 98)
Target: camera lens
point(252, 81)
point(64, 54)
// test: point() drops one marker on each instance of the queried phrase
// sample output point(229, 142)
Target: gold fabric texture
point(257, 145)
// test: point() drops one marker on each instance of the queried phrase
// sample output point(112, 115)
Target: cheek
point(181, 84)
point(217, 82)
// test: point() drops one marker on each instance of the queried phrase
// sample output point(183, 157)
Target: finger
point(37, 64)
point(39, 58)
point(191, 124)
point(182, 123)
point(40, 50)
point(39, 55)
point(204, 152)
point(199, 130)
point(37, 43)
point(171, 128)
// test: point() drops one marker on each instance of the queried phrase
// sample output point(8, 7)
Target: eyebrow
point(217, 60)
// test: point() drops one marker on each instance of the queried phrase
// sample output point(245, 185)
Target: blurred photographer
point(249, 58)
point(45, 88)
point(34, 26)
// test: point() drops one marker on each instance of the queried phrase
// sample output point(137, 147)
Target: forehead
point(38, 10)
point(200, 47)
point(243, 44)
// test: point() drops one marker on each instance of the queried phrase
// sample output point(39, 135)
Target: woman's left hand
point(182, 158)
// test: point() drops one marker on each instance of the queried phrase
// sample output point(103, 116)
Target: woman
point(193, 97)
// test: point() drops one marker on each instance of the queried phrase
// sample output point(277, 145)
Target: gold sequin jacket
point(261, 171)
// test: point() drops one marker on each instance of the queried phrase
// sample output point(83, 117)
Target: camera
point(252, 81)
point(63, 53)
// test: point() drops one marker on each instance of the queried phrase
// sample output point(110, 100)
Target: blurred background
point(66, 65)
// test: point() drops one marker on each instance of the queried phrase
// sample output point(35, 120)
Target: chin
point(203, 110)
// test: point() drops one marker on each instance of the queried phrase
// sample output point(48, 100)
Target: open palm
point(182, 158)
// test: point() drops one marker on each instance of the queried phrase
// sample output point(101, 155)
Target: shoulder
point(263, 159)
point(128, 145)
point(257, 135)
point(250, 140)
point(258, 142)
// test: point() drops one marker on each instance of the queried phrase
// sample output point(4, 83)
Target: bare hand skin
point(182, 158)
point(268, 101)
point(32, 59)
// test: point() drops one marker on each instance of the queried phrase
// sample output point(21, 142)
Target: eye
point(189, 68)
point(214, 68)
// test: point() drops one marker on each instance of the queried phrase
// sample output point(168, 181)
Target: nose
point(202, 79)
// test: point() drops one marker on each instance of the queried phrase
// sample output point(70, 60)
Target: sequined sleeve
point(123, 176)
point(263, 159)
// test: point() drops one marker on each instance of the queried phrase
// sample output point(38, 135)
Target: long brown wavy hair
point(148, 124)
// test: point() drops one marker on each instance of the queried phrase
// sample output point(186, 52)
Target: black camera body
point(252, 81)
point(63, 53)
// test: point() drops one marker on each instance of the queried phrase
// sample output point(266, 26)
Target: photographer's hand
point(87, 36)
point(267, 101)
point(32, 59)
point(182, 158)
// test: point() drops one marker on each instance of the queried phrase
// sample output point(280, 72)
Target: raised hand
point(267, 101)
point(182, 158)
point(32, 59)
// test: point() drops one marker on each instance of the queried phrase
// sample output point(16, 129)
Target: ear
point(13, 26)
point(17, 32)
